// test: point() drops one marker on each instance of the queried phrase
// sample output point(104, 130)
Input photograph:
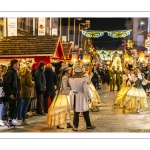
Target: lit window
point(141, 25)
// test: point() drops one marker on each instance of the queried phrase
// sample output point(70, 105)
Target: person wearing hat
point(40, 85)
point(59, 110)
point(112, 74)
point(118, 77)
point(80, 97)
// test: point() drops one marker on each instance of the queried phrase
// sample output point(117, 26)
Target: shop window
point(141, 25)
point(140, 39)
point(71, 32)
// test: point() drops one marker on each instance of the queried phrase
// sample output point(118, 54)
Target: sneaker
point(91, 127)
point(16, 123)
point(1, 123)
point(25, 123)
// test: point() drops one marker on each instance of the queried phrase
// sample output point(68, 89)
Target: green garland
point(100, 33)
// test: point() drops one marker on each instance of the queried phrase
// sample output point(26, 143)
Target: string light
point(100, 33)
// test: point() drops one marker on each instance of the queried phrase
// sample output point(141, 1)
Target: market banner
point(41, 26)
point(12, 26)
point(54, 31)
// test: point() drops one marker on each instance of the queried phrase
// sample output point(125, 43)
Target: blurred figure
point(51, 82)
point(40, 84)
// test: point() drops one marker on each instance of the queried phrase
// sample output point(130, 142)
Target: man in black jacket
point(40, 84)
point(12, 90)
point(51, 81)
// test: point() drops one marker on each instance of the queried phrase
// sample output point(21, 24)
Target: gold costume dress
point(126, 86)
point(136, 95)
point(59, 110)
point(95, 96)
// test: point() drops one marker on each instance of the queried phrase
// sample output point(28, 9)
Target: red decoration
point(148, 34)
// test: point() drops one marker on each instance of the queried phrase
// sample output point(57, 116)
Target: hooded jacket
point(26, 83)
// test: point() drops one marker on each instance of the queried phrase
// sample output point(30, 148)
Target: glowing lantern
point(74, 58)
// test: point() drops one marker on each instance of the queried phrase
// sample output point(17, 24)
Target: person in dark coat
point(12, 90)
point(95, 79)
point(40, 84)
point(51, 81)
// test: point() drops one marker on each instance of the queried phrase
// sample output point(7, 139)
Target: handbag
point(2, 93)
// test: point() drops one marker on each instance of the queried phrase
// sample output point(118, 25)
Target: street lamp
point(75, 29)
point(79, 32)
point(87, 23)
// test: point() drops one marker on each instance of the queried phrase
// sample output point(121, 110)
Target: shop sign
point(12, 26)
point(41, 26)
point(64, 38)
point(147, 43)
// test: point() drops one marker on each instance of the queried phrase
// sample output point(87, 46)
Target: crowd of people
point(73, 89)
point(20, 85)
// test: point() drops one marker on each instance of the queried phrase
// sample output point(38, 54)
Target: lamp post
point(74, 40)
point(79, 32)
point(60, 27)
point(68, 29)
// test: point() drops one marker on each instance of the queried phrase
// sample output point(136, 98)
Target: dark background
point(105, 41)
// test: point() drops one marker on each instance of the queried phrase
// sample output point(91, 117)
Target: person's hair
point(13, 61)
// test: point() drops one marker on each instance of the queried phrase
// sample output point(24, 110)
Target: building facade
point(29, 26)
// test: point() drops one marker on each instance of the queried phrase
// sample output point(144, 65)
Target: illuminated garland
point(113, 34)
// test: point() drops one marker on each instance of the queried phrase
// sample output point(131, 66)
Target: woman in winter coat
point(26, 85)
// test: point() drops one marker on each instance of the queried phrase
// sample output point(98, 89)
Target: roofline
point(34, 55)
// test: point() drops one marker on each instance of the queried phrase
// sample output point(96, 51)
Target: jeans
point(23, 109)
point(86, 118)
point(1, 110)
point(39, 101)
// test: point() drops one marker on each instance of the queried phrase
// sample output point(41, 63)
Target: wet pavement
point(106, 120)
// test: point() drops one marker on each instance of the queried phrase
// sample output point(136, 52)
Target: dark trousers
point(12, 108)
point(95, 84)
point(86, 118)
point(112, 84)
point(39, 101)
point(24, 106)
point(29, 107)
point(118, 83)
point(107, 79)
point(46, 95)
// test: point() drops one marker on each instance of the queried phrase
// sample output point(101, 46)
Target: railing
point(23, 27)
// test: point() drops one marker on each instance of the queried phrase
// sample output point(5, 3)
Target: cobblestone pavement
point(106, 120)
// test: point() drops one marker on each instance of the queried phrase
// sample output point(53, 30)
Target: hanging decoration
point(99, 33)
point(108, 54)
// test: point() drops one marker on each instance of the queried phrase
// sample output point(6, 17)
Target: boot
point(59, 127)
point(69, 125)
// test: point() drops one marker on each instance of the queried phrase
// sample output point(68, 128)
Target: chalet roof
point(20, 45)
point(66, 48)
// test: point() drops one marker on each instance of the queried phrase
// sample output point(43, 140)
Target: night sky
point(105, 41)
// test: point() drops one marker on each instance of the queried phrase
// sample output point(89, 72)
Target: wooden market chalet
point(40, 48)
